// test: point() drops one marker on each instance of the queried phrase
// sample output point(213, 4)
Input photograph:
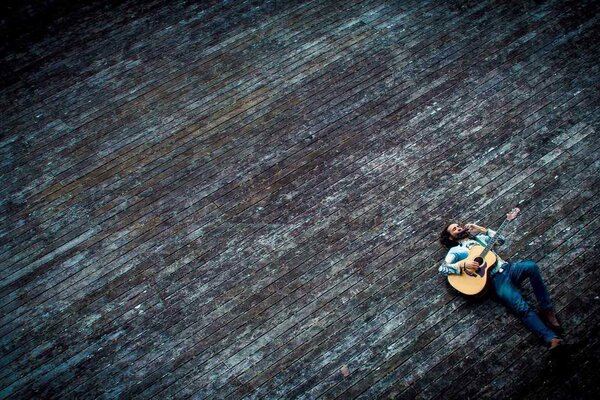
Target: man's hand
point(471, 266)
point(475, 229)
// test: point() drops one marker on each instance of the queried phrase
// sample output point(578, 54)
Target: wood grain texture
point(242, 199)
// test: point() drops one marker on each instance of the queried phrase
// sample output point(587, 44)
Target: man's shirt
point(456, 254)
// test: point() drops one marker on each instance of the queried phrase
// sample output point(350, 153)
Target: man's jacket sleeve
point(450, 266)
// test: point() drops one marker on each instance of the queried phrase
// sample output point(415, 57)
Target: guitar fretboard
point(492, 242)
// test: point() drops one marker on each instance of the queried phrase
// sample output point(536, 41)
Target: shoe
point(559, 350)
point(550, 319)
point(555, 344)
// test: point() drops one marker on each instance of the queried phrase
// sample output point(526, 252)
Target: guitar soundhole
point(480, 271)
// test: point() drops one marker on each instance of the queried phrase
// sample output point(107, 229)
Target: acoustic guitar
point(475, 284)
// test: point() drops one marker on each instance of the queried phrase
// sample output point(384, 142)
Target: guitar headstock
point(513, 213)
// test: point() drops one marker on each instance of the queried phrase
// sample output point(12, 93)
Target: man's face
point(457, 231)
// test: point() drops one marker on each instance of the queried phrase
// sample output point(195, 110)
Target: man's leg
point(529, 269)
point(511, 296)
point(522, 270)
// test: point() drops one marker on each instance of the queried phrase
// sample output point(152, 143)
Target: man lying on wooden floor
point(472, 268)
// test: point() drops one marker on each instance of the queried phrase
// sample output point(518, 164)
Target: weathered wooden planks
point(243, 198)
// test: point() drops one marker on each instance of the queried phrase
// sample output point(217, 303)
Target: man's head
point(451, 234)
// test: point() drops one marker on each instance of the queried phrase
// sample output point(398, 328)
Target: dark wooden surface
point(240, 199)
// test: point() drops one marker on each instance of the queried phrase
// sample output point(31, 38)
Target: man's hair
point(446, 239)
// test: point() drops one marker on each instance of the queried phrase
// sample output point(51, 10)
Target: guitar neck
point(492, 242)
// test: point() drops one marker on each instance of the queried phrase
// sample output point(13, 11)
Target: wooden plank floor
point(240, 199)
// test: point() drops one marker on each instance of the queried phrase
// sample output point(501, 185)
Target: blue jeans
point(506, 285)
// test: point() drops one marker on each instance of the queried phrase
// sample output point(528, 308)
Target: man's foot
point(555, 343)
point(558, 350)
point(550, 319)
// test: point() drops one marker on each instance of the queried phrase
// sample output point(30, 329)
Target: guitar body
point(475, 284)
